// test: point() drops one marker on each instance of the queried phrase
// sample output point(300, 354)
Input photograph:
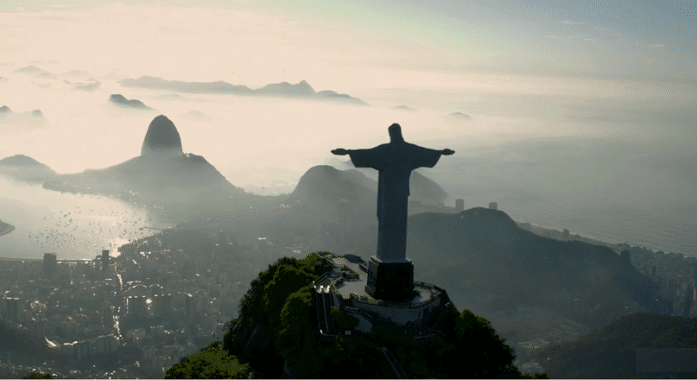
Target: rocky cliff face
point(162, 138)
point(674, 273)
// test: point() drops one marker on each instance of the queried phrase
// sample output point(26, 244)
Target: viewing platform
point(343, 286)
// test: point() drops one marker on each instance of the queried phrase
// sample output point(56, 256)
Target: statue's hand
point(340, 151)
point(447, 152)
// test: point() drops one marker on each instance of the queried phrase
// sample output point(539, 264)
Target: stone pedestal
point(390, 281)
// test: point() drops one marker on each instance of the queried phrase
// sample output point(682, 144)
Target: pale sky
point(528, 66)
point(354, 44)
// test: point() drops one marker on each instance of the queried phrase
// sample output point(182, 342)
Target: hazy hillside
point(25, 169)
point(483, 251)
point(639, 345)
point(179, 184)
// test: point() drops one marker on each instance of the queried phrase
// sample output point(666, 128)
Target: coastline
point(19, 259)
point(537, 230)
point(562, 236)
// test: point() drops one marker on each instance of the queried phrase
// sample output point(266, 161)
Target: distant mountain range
point(283, 89)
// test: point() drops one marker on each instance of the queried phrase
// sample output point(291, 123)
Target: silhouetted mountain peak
point(5, 109)
point(161, 138)
point(328, 183)
point(286, 89)
point(490, 218)
point(121, 101)
point(306, 86)
point(19, 159)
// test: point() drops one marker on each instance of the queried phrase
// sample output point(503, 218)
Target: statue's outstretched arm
point(447, 152)
point(340, 151)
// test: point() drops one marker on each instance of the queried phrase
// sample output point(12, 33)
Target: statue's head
point(395, 133)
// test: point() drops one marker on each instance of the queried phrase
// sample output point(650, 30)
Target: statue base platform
point(390, 281)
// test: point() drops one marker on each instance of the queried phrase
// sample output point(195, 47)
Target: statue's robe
point(394, 161)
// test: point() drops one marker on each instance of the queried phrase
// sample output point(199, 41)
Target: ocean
point(72, 226)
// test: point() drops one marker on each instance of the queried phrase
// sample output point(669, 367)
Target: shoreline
point(549, 233)
point(17, 259)
point(562, 236)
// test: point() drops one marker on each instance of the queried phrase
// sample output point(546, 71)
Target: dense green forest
point(277, 328)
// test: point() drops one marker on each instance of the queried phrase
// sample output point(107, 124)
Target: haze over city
point(176, 173)
point(580, 115)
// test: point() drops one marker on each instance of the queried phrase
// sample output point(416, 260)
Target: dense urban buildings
point(149, 304)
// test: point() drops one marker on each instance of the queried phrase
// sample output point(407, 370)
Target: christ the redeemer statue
point(395, 161)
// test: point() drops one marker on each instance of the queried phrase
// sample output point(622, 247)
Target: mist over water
point(600, 165)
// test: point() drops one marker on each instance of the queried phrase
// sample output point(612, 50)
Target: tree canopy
point(280, 306)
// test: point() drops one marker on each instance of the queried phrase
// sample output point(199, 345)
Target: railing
point(323, 319)
point(327, 303)
point(321, 278)
point(391, 360)
point(381, 303)
point(319, 307)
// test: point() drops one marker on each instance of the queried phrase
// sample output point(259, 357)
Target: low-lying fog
point(616, 165)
